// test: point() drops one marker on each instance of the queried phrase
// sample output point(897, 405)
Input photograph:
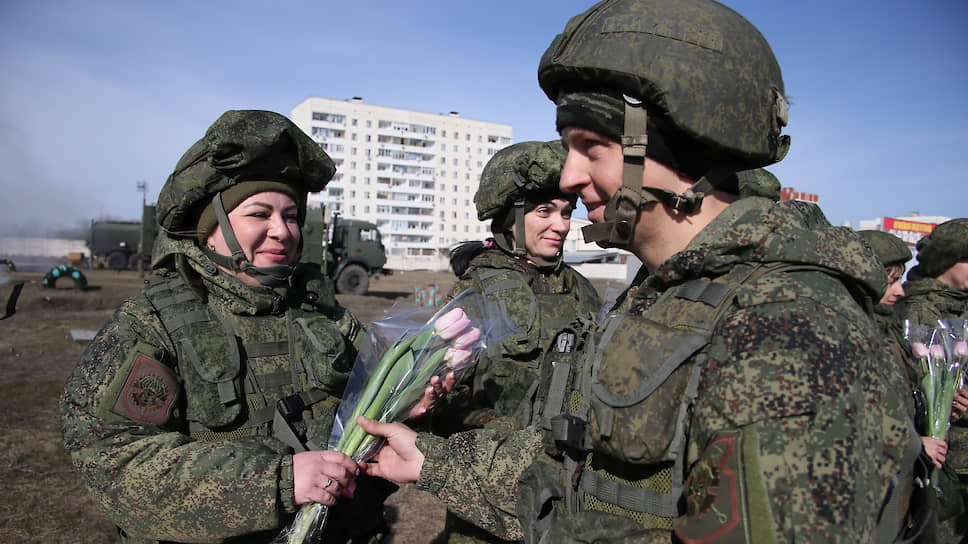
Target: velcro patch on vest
point(725, 495)
point(148, 393)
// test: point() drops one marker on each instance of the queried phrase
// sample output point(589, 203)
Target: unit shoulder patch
point(148, 393)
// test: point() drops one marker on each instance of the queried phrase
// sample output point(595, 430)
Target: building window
point(369, 124)
point(354, 122)
point(352, 151)
point(352, 194)
point(368, 137)
point(443, 133)
point(353, 136)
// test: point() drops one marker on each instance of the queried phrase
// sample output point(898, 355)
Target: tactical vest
point(252, 375)
point(634, 417)
point(538, 316)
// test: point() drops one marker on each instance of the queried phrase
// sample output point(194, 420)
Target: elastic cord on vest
point(271, 276)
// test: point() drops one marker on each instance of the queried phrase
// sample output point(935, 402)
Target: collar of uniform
point(229, 292)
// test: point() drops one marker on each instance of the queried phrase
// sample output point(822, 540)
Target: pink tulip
point(919, 349)
point(467, 339)
point(937, 351)
point(451, 324)
point(456, 358)
point(961, 349)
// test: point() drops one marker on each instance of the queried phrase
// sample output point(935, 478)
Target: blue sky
point(96, 96)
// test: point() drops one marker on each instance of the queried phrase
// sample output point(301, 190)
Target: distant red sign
point(909, 231)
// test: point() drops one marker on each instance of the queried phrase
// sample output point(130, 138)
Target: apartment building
point(414, 174)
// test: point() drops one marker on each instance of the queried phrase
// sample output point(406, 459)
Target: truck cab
point(348, 250)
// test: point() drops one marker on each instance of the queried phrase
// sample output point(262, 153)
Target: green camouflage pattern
point(184, 474)
point(685, 59)
point(890, 249)
point(475, 474)
point(241, 145)
point(494, 392)
point(945, 246)
point(519, 171)
point(758, 182)
point(925, 301)
point(794, 382)
point(892, 331)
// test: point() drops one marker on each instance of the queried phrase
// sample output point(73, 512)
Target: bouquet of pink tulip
point(955, 336)
point(416, 352)
point(940, 356)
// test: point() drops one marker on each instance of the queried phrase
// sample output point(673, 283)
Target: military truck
point(348, 250)
point(123, 245)
point(115, 244)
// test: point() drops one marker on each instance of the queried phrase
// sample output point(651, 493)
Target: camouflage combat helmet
point(241, 146)
point(513, 182)
point(946, 246)
point(758, 182)
point(699, 67)
point(890, 249)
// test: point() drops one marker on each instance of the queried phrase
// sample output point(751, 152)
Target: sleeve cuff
point(433, 474)
point(287, 493)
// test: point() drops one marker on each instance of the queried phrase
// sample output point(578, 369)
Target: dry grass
point(44, 500)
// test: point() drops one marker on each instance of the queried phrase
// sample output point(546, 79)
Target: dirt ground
point(45, 501)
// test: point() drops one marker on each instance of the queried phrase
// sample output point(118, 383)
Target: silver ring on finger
point(329, 482)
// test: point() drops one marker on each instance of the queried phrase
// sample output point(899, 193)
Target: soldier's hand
point(960, 404)
point(435, 391)
point(321, 476)
point(936, 449)
point(399, 460)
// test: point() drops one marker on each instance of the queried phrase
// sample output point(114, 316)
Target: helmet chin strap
point(622, 208)
point(270, 276)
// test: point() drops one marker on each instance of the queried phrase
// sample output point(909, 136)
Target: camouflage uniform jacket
point(782, 441)
point(925, 301)
point(539, 304)
point(892, 331)
point(176, 442)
